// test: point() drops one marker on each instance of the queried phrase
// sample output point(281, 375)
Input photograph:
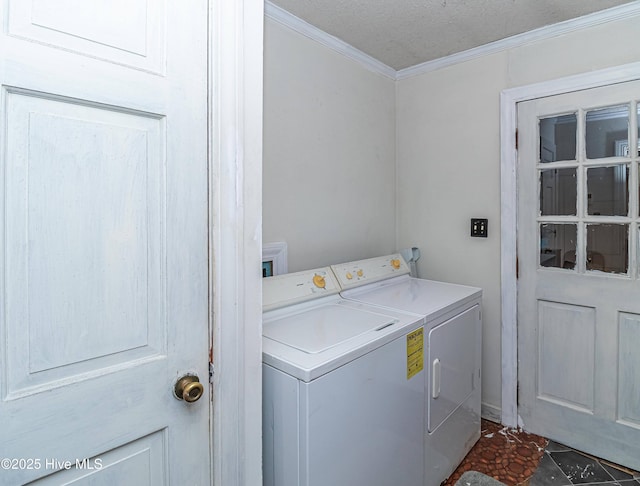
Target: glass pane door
point(588, 206)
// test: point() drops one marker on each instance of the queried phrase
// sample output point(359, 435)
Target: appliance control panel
point(293, 288)
point(361, 272)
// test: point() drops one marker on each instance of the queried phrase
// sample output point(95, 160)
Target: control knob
point(318, 281)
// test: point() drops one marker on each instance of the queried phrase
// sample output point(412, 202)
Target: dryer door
point(454, 362)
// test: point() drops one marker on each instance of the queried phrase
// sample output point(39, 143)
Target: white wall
point(448, 159)
point(329, 153)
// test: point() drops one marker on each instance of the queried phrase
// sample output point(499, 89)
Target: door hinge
point(518, 394)
point(516, 139)
point(211, 371)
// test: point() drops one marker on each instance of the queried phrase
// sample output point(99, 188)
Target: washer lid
point(422, 297)
point(320, 328)
point(311, 339)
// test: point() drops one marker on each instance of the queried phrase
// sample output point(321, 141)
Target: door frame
point(235, 238)
point(509, 99)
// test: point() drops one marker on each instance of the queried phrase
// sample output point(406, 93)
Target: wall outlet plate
point(479, 227)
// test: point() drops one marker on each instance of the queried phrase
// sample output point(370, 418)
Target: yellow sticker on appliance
point(415, 352)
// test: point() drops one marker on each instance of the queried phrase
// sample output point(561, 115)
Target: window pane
point(607, 131)
point(558, 138)
point(558, 192)
point(608, 190)
point(557, 243)
point(608, 247)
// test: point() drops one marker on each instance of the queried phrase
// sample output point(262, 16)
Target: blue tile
point(548, 474)
point(554, 446)
point(580, 469)
point(616, 473)
point(616, 483)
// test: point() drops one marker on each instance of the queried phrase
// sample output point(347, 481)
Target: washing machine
point(343, 387)
point(453, 332)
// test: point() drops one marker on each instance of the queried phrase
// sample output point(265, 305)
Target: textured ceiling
point(403, 33)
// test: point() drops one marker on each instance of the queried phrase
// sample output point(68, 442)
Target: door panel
point(629, 369)
point(578, 284)
point(566, 341)
point(103, 234)
point(130, 32)
point(84, 203)
point(141, 462)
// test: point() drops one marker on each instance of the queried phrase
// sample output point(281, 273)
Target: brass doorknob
point(188, 388)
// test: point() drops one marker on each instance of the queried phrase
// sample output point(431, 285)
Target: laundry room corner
point(448, 172)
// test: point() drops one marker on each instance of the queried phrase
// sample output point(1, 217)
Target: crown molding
point(543, 33)
point(298, 25)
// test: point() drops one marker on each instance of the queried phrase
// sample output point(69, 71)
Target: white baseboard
point(491, 412)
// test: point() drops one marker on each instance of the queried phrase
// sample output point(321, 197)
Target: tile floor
point(517, 458)
point(563, 466)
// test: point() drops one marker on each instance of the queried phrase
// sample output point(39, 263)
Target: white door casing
point(578, 312)
point(104, 242)
point(236, 238)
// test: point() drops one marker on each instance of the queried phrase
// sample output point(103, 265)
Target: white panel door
point(103, 238)
point(579, 275)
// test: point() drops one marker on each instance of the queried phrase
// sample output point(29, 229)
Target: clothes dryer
point(453, 330)
point(340, 405)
